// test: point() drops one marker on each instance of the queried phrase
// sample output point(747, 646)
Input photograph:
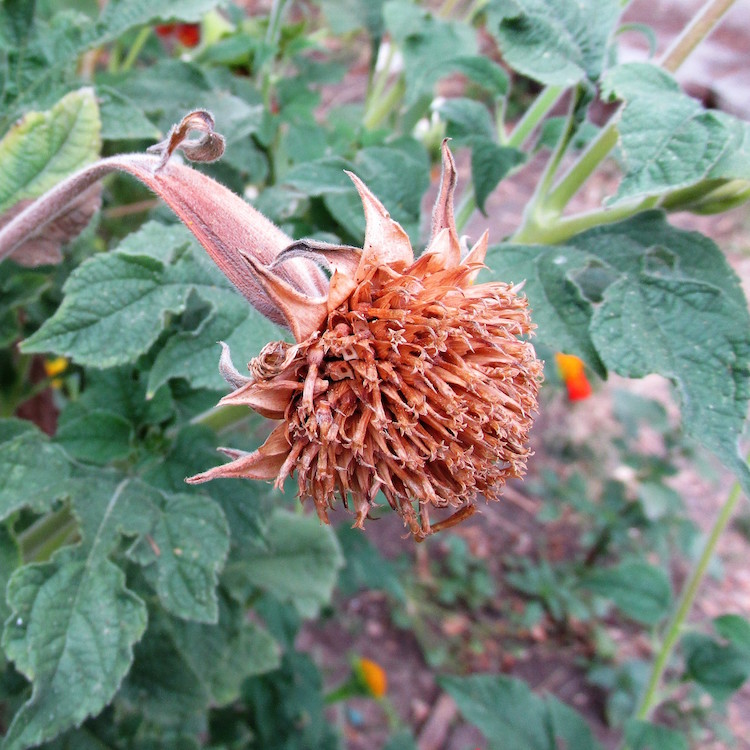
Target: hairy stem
point(648, 700)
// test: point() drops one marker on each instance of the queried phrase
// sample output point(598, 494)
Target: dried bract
point(405, 378)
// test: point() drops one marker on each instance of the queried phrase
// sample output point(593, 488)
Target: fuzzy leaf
point(682, 146)
point(639, 590)
point(467, 118)
point(428, 44)
point(98, 436)
point(672, 287)
point(31, 468)
point(556, 43)
point(559, 310)
point(74, 622)
point(718, 668)
point(511, 717)
point(188, 541)
point(490, 163)
point(10, 559)
point(225, 654)
point(300, 564)
point(44, 147)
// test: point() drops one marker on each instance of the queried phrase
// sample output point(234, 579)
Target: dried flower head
point(405, 378)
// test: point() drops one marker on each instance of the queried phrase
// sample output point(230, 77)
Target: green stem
point(539, 109)
point(222, 418)
point(694, 33)
point(447, 8)
point(135, 49)
point(46, 535)
point(687, 597)
point(474, 10)
point(385, 106)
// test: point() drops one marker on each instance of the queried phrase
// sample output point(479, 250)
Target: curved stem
point(685, 603)
point(539, 108)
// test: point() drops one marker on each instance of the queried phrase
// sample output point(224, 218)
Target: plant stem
point(46, 535)
point(694, 33)
point(539, 108)
point(221, 417)
point(685, 603)
point(382, 109)
point(135, 49)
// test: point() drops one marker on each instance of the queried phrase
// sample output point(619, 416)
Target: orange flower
point(574, 376)
point(371, 676)
point(404, 379)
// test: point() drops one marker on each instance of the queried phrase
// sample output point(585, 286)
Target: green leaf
point(559, 310)
point(640, 591)
point(122, 118)
point(71, 633)
point(490, 163)
point(719, 669)
point(194, 355)
point(511, 717)
point(10, 559)
point(467, 118)
point(32, 470)
point(225, 654)
point(344, 16)
point(117, 304)
point(97, 436)
point(556, 43)
point(673, 284)
point(642, 735)
point(45, 147)
point(162, 686)
point(300, 564)
point(736, 630)
point(428, 45)
point(482, 71)
point(188, 541)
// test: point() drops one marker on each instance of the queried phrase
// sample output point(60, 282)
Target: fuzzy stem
point(221, 418)
point(46, 535)
point(381, 110)
point(687, 597)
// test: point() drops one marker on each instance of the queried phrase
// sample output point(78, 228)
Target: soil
point(548, 658)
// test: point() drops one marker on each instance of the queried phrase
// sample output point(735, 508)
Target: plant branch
point(685, 603)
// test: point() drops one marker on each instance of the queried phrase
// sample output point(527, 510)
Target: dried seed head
point(406, 379)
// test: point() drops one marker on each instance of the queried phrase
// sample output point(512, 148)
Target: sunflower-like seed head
point(406, 379)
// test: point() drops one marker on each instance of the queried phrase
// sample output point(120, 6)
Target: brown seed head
point(406, 379)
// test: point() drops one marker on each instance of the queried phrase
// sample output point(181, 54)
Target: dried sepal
point(208, 147)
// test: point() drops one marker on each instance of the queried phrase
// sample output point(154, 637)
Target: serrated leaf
point(674, 284)
point(122, 118)
point(482, 71)
point(490, 163)
point(98, 436)
point(640, 591)
point(162, 686)
point(32, 469)
point(194, 355)
point(45, 147)
point(511, 717)
point(187, 540)
point(642, 735)
point(300, 564)
point(224, 655)
point(559, 310)
point(556, 43)
point(71, 633)
point(428, 45)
